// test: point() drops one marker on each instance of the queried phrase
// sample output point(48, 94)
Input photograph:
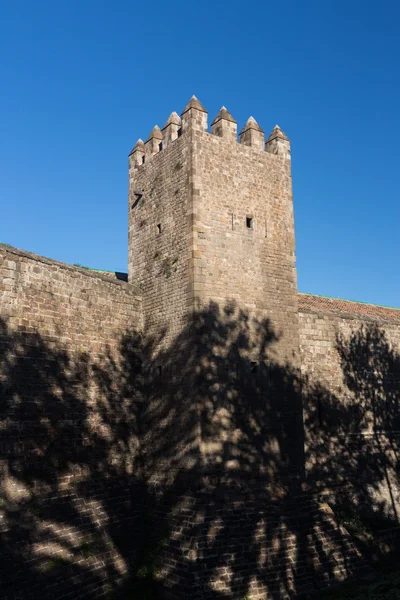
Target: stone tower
point(211, 247)
point(211, 219)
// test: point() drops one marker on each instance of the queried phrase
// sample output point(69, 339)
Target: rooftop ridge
point(346, 300)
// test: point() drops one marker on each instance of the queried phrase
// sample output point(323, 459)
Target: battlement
point(194, 118)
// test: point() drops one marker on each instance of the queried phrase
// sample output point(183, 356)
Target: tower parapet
point(278, 143)
point(224, 125)
point(211, 213)
point(171, 129)
point(137, 154)
point(194, 116)
point(252, 134)
point(152, 144)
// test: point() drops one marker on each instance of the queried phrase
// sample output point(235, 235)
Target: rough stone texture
point(214, 444)
point(243, 256)
point(227, 231)
point(211, 224)
point(211, 245)
point(252, 134)
point(278, 143)
point(160, 238)
point(243, 230)
point(170, 131)
point(224, 125)
point(351, 369)
point(69, 390)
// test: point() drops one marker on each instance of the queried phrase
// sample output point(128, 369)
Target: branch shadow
point(198, 466)
point(70, 486)
point(352, 439)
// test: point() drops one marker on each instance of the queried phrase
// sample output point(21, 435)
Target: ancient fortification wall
point(244, 246)
point(351, 367)
point(196, 422)
point(159, 230)
point(70, 390)
point(211, 234)
point(211, 220)
point(211, 245)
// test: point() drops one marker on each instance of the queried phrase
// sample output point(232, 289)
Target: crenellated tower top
point(194, 117)
point(278, 143)
point(211, 221)
point(224, 125)
point(252, 134)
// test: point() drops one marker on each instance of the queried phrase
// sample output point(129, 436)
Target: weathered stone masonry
point(205, 404)
point(351, 367)
point(68, 346)
point(211, 243)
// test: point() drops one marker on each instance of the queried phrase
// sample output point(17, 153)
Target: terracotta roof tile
point(309, 302)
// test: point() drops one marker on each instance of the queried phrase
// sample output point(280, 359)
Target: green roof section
point(99, 270)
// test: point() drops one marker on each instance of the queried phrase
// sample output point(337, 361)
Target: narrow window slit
point(249, 222)
point(159, 228)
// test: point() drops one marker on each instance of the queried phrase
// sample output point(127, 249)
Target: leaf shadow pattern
point(68, 466)
point(352, 439)
point(190, 454)
point(243, 517)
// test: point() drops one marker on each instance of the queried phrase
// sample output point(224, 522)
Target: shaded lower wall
point(211, 501)
point(70, 392)
point(351, 371)
point(224, 464)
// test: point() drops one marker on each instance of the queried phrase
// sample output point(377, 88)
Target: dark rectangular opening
point(143, 159)
point(160, 146)
point(179, 131)
point(249, 222)
point(159, 228)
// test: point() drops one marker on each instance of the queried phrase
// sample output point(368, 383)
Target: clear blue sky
point(81, 80)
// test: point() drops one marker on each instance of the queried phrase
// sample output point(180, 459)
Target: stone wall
point(211, 235)
point(351, 369)
point(211, 246)
point(185, 452)
point(211, 221)
point(159, 239)
point(245, 279)
point(70, 394)
point(244, 245)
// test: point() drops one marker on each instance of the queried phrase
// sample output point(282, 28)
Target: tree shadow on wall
point(245, 513)
point(70, 482)
point(184, 465)
point(353, 436)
